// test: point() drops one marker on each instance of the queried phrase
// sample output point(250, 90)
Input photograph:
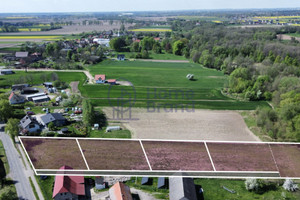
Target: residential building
point(182, 188)
point(16, 99)
point(57, 118)
point(29, 125)
point(68, 187)
point(100, 78)
point(120, 191)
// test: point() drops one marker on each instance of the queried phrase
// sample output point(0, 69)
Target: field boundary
point(161, 172)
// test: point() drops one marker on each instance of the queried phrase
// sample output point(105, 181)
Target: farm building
point(19, 86)
point(99, 183)
point(32, 96)
point(121, 57)
point(68, 187)
point(29, 125)
point(16, 99)
point(182, 188)
point(6, 71)
point(48, 84)
point(100, 78)
point(56, 118)
point(21, 54)
point(120, 191)
point(40, 99)
point(101, 41)
point(112, 81)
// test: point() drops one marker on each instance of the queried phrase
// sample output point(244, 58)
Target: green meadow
point(162, 85)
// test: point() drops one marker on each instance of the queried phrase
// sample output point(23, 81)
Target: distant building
point(99, 183)
point(6, 71)
point(19, 86)
point(120, 191)
point(112, 81)
point(48, 84)
point(182, 188)
point(101, 41)
point(21, 54)
point(100, 78)
point(16, 99)
point(68, 187)
point(57, 118)
point(29, 125)
point(121, 57)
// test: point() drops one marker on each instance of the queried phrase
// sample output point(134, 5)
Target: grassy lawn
point(46, 186)
point(152, 189)
point(3, 158)
point(213, 190)
point(155, 56)
point(7, 183)
point(113, 134)
point(163, 83)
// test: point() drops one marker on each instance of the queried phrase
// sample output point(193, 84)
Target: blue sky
point(136, 5)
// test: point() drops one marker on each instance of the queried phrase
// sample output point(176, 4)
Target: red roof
point(98, 76)
point(72, 184)
point(111, 80)
point(11, 95)
point(120, 191)
point(156, 38)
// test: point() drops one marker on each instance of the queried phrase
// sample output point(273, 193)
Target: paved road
point(17, 170)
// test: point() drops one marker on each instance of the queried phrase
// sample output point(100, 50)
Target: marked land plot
point(53, 153)
point(287, 158)
point(241, 157)
point(185, 156)
point(114, 155)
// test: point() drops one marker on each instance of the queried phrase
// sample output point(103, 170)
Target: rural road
point(87, 73)
point(18, 173)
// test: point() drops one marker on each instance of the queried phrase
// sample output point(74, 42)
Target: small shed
point(146, 181)
point(112, 81)
point(113, 128)
point(6, 71)
point(48, 84)
point(162, 183)
point(99, 183)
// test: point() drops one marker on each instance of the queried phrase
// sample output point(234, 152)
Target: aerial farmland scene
point(150, 100)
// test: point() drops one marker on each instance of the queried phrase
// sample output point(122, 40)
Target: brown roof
point(120, 191)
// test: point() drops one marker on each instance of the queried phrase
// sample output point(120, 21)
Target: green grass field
point(163, 84)
point(213, 190)
point(155, 56)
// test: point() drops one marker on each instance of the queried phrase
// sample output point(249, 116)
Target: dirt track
point(197, 125)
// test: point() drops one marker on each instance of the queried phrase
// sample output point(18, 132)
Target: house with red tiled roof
point(68, 187)
point(100, 78)
point(120, 191)
point(15, 98)
point(112, 81)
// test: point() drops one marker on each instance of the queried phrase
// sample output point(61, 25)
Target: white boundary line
point(212, 163)
point(82, 155)
point(158, 140)
point(146, 156)
point(160, 171)
point(274, 159)
point(27, 156)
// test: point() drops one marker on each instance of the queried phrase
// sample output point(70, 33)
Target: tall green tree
point(12, 128)
point(6, 110)
point(88, 113)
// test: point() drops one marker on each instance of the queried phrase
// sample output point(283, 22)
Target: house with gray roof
point(181, 188)
point(57, 118)
point(29, 125)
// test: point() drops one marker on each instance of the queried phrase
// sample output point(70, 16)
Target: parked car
point(30, 113)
